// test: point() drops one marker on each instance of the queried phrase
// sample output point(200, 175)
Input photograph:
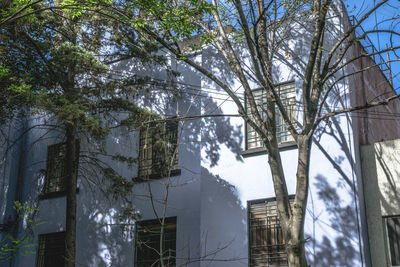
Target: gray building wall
point(12, 143)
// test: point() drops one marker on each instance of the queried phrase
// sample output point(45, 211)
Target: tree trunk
point(280, 188)
point(71, 185)
point(296, 250)
point(295, 237)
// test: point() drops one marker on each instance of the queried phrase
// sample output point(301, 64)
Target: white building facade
point(216, 200)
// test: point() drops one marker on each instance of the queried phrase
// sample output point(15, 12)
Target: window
point(393, 232)
point(288, 97)
point(267, 245)
point(51, 251)
point(55, 181)
point(158, 155)
point(55, 174)
point(148, 243)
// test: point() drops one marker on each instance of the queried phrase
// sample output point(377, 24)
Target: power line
point(192, 86)
point(209, 93)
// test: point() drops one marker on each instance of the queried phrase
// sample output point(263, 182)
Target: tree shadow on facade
point(340, 251)
point(339, 244)
point(101, 239)
point(387, 177)
point(223, 223)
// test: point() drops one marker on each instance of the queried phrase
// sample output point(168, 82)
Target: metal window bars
point(51, 250)
point(267, 245)
point(393, 233)
point(147, 243)
point(55, 170)
point(55, 173)
point(288, 97)
point(158, 150)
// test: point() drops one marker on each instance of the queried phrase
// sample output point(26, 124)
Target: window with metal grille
point(267, 244)
point(55, 173)
point(51, 251)
point(287, 95)
point(55, 181)
point(158, 155)
point(148, 239)
point(393, 232)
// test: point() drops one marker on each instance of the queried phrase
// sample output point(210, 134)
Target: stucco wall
point(12, 144)
point(380, 163)
point(331, 224)
point(332, 228)
point(209, 197)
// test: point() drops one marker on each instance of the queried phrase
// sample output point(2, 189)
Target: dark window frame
point(289, 142)
point(47, 244)
point(152, 161)
point(269, 201)
point(393, 235)
point(149, 226)
point(51, 162)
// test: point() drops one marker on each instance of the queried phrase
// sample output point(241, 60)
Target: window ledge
point(156, 176)
point(256, 150)
point(261, 150)
point(55, 194)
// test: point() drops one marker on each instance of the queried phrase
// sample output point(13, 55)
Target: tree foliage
point(9, 245)
point(55, 68)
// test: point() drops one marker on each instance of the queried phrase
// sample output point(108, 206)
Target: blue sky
point(379, 20)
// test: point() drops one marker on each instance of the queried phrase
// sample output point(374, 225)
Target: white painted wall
point(332, 223)
point(209, 198)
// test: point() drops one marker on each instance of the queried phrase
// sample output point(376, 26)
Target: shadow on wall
point(387, 159)
point(223, 223)
point(183, 95)
point(342, 250)
point(101, 241)
point(340, 245)
point(219, 131)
